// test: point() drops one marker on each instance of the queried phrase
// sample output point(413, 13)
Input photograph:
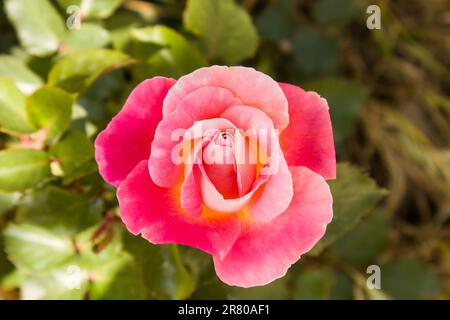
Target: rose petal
point(190, 198)
point(264, 252)
point(206, 103)
point(155, 212)
point(214, 200)
point(277, 194)
point(127, 139)
point(258, 135)
point(252, 87)
point(221, 168)
point(246, 117)
point(308, 140)
point(199, 105)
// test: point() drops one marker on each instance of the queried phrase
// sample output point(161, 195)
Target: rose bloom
point(225, 160)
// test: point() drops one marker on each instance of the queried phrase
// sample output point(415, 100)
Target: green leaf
point(114, 273)
point(72, 151)
point(335, 11)
point(67, 282)
point(5, 265)
point(60, 211)
point(276, 21)
point(199, 264)
point(176, 57)
point(88, 36)
point(226, 29)
point(276, 290)
point(273, 24)
point(21, 169)
point(12, 108)
point(313, 51)
point(85, 170)
point(356, 248)
point(163, 272)
point(150, 261)
point(98, 244)
point(120, 25)
point(212, 290)
point(8, 200)
point(38, 25)
point(100, 8)
point(344, 98)
point(97, 9)
point(408, 279)
point(354, 195)
point(3, 258)
point(313, 284)
point(342, 287)
point(77, 71)
point(117, 279)
point(184, 284)
point(12, 280)
point(101, 89)
point(50, 108)
point(36, 249)
point(25, 79)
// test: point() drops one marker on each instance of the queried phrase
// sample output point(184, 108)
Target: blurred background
point(67, 66)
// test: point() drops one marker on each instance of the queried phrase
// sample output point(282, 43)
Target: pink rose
point(225, 160)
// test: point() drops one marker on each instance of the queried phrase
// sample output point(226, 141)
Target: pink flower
point(225, 160)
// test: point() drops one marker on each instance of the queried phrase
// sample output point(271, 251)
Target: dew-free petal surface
point(277, 194)
point(205, 103)
point(127, 138)
point(264, 252)
point(155, 212)
point(253, 88)
point(308, 140)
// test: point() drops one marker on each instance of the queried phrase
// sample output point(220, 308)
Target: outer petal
point(308, 140)
point(127, 138)
point(264, 252)
point(155, 212)
point(252, 87)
